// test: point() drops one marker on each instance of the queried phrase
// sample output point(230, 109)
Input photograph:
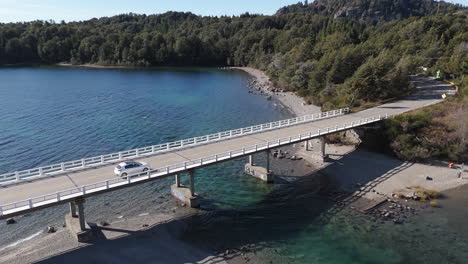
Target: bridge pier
point(76, 223)
point(318, 149)
point(177, 180)
point(184, 194)
point(323, 141)
point(262, 173)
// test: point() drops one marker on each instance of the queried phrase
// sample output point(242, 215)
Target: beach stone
point(51, 229)
point(10, 221)
point(104, 223)
point(145, 225)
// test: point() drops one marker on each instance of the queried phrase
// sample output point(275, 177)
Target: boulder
point(51, 229)
point(10, 221)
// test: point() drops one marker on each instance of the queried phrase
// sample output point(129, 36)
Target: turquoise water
point(51, 115)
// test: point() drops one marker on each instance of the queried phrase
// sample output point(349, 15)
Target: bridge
point(22, 192)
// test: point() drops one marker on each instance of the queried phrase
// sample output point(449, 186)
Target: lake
point(51, 115)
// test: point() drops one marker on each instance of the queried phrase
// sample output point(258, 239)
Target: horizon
point(32, 10)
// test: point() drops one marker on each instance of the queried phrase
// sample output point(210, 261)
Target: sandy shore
point(143, 239)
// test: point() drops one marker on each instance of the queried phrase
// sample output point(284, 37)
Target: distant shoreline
point(94, 66)
point(291, 101)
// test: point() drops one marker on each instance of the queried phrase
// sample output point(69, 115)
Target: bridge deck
point(429, 92)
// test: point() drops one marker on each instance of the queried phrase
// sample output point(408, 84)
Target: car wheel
point(124, 174)
point(145, 169)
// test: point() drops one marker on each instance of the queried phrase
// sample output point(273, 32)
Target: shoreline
point(292, 102)
point(345, 168)
point(94, 66)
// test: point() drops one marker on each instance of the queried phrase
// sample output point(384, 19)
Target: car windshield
point(118, 167)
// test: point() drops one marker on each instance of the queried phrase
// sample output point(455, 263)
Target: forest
point(335, 53)
point(335, 59)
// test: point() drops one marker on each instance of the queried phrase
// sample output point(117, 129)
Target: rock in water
point(104, 223)
point(10, 221)
point(51, 229)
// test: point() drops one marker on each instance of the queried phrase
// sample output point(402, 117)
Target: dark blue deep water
point(49, 115)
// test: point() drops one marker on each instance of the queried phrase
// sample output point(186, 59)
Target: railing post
point(17, 176)
point(102, 159)
point(152, 149)
point(120, 155)
point(30, 203)
point(58, 197)
point(167, 170)
point(62, 166)
point(107, 185)
point(216, 158)
point(230, 154)
point(219, 135)
point(181, 143)
point(290, 138)
point(1, 211)
point(243, 151)
point(129, 179)
point(137, 152)
point(84, 190)
point(40, 171)
point(230, 133)
point(82, 162)
point(256, 147)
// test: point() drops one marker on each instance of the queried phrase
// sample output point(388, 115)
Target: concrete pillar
point(80, 204)
point(73, 210)
point(262, 173)
point(177, 180)
point(307, 145)
point(322, 148)
point(184, 194)
point(192, 182)
point(251, 160)
point(267, 161)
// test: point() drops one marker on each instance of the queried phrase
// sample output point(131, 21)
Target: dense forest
point(336, 52)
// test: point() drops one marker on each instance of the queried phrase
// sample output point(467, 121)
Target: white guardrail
point(173, 169)
point(76, 165)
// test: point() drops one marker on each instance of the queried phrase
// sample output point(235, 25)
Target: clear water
point(57, 114)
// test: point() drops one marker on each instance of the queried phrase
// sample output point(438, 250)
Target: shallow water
point(51, 115)
point(55, 114)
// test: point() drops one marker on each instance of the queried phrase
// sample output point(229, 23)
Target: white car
point(131, 168)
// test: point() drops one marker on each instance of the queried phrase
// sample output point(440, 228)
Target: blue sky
point(73, 10)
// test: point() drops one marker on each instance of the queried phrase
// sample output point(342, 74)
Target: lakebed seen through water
point(51, 115)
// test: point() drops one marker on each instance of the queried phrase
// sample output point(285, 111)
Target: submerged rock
point(10, 221)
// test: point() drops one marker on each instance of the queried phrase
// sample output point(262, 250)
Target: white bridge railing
point(76, 165)
point(108, 185)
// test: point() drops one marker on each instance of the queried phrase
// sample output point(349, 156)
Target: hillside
point(373, 11)
point(336, 53)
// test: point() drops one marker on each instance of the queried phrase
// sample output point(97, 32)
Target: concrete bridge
point(72, 182)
